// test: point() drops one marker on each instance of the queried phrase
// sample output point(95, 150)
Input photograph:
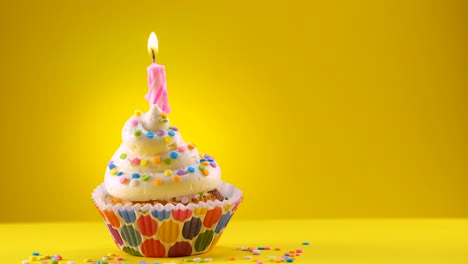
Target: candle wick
point(153, 55)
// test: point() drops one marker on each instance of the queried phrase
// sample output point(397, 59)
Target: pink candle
point(157, 87)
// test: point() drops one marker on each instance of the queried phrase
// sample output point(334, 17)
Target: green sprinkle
point(137, 132)
point(201, 195)
point(201, 167)
point(145, 177)
point(163, 120)
point(123, 155)
point(167, 161)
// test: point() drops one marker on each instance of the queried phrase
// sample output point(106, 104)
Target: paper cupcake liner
point(167, 230)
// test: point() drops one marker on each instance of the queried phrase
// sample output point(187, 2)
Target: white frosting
point(157, 180)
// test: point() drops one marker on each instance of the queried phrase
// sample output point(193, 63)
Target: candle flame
point(153, 45)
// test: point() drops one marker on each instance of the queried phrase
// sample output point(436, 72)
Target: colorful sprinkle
point(123, 180)
point(190, 146)
point(160, 132)
point(135, 175)
point(123, 156)
point(180, 172)
point(232, 258)
point(112, 166)
point(137, 112)
point(156, 159)
point(176, 178)
point(201, 167)
point(114, 171)
point(191, 169)
point(168, 172)
point(144, 162)
point(174, 155)
point(168, 139)
point(136, 161)
point(171, 133)
point(35, 254)
point(167, 161)
point(299, 250)
point(145, 178)
point(134, 122)
point(213, 164)
point(163, 114)
point(256, 252)
point(181, 149)
point(137, 133)
point(119, 173)
point(305, 243)
point(164, 120)
point(157, 182)
point(174, 128)
point(206, 156)
point(149, 134)
point(206, 172)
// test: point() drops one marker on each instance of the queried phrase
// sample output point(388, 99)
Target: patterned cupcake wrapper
point(169, 230)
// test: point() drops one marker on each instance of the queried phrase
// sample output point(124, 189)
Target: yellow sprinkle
point(168, 172)
point(114, 171)
point(157, 182)
point(176, 178)
point(163, 114)
point(156, 159)
point(144, 162)
point(206, 172)
point(137, 112)
point(168, 139)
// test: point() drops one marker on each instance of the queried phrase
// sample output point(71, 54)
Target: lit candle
point(157, 87)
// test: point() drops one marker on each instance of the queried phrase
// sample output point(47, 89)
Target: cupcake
point(161, 197)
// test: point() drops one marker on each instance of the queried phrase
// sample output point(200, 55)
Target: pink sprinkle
point(136, 161)
point(298, 250)
point(118, 258)
point(259, 262)
point(134, 122)
point(122, 180)
point(181, 149)
point(256, 252)
point(298, 254)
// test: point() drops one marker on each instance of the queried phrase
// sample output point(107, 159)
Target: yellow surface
point(331, 241)
point(353, 108)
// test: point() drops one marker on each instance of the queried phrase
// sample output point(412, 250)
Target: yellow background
point(313, 109)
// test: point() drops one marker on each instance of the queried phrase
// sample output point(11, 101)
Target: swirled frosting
point(154, 163)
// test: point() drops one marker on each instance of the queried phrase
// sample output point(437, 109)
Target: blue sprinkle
point(35, 253)
point(171, 133)
point(155, 262)
point(289, 260)
point(191, 169)
point(305, 243)
point(119, 173)
point(202, 160)
point(111, 166)
point(135, 175)
point(174, 155)
point(210, 160)
point(150, 134)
